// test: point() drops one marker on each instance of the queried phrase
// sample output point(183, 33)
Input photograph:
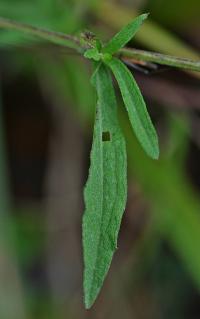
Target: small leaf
point(136, 108)
point(125, 35)
point(106, 189)
point(92, 54)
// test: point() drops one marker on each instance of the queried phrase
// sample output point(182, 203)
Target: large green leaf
point(124, 35)
point(136, 107)
point(106, 189)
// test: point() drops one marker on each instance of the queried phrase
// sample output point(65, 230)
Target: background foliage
point(47, 107)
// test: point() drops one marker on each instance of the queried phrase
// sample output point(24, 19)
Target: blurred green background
point(47, 110)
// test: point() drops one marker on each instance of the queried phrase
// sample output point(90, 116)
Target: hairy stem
point(66, 40)
point(52, 36)
point(160, 59)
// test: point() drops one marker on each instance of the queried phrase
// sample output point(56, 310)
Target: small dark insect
point(88, 35)
point(89, 38)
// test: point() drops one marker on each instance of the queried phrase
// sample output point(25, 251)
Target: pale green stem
point(52, 36)
point(66, 40)
point(160, 59)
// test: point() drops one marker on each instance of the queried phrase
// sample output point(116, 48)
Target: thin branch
point(69, 41)
point(52, 36)
point(160, 59)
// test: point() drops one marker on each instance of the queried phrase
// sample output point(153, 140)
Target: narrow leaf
point(136, 108)
point(106, 189)
point(125, 35)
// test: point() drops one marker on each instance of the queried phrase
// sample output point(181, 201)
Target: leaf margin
point(90, 296)
point(142, 126)
point(120, 39)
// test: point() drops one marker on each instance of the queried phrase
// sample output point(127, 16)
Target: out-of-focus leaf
point(172, 16)
point(11, 39)
point(176, 146)
point(174, 204)
point(10, 289)
point(151, 35)
point(45, 14)
point(4, 197)
point(70, 79)
point(106, 189)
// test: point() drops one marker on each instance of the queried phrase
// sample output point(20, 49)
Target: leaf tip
point(145, 15)
point(88, 305)
point(88, 301)
point(155, 153)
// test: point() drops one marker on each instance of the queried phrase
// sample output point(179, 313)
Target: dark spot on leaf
point(106, 136)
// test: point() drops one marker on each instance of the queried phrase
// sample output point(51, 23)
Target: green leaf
point(92, 54)
point(125, 35)
point(106, 189)
point(136, 108)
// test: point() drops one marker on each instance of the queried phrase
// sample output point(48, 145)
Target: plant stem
point(160, 59)
point(66, 40)
point(52, 36)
